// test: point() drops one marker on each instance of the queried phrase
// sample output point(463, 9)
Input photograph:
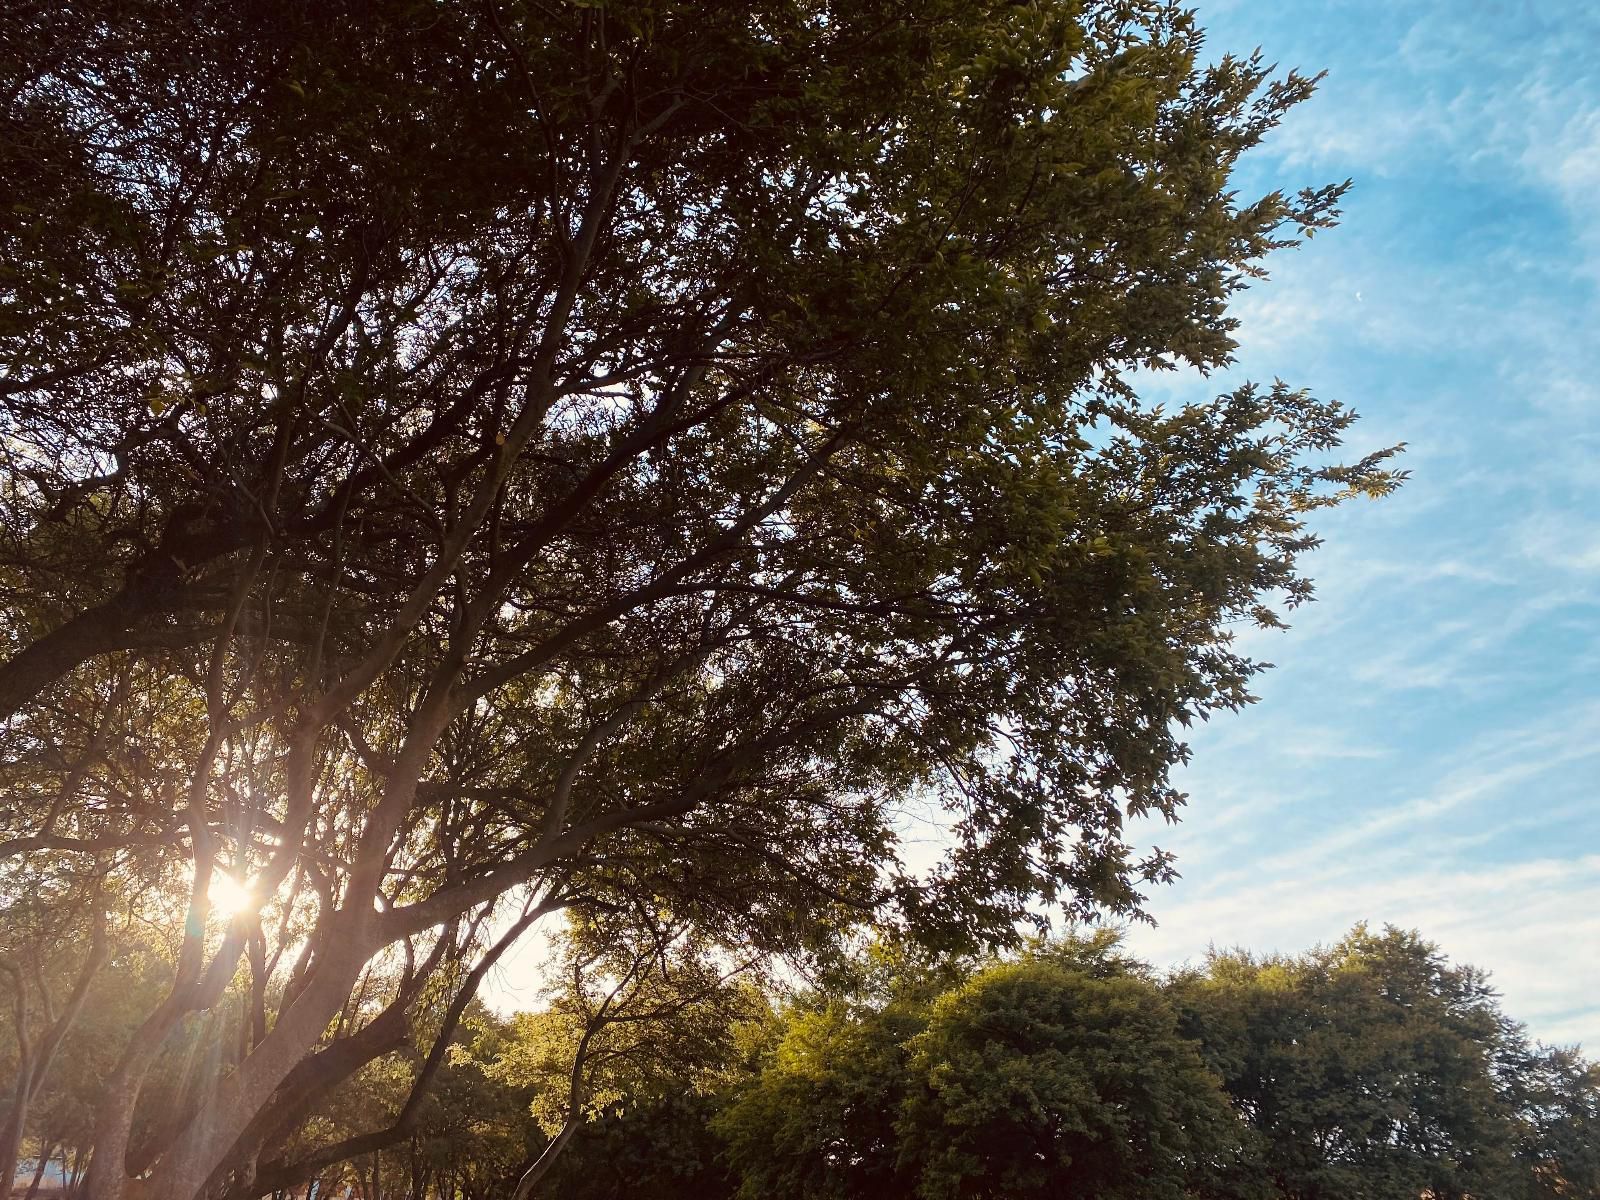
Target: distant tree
point(819, 1121)
point(1061, 1073)
point(815, 1113)
point(52, 946)
point(1372, 1069)
point(1556, 1093)
point(661, 1147)
point(642, 1013)
point(64, 1096)
point(470, 459)
point(476, 1130)
point(1369, 1068)
point(1037, 1080)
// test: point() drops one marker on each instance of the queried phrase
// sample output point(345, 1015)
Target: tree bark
point(288, 1174)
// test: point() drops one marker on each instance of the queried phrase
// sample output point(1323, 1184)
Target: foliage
point(465, 463)
point(1060, 1072)
point(1369, 1067)
point(651, 1017)
point(1034, 1079)
point(664, 1148)
point(1556, 1094)
point(1069, 1068)
point(819, 1121)
point(1372, 1068)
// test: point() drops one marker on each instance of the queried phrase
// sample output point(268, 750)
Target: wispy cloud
point(1515, 921)
point(1426, 751)
point(1570, 542)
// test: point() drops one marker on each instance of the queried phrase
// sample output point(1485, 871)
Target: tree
point(61, 1110)
point(1557, 1096)
point(459, 456)
point(1061, 1072)
point(37, 926)
point(663, 1147)
point(472, 1135)
point(627, 1059)
point(643, 1012)
point(818, 1122)
point(1037, 1080)
point(1371, 1067)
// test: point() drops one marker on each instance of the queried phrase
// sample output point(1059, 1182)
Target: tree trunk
point(33, 1060)
point(541, 1166)
point(46, 1149)
point(16, 1120)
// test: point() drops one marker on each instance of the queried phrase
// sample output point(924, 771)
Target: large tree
point(1375, 1067)
point(466, 461)
point(1060, 1073)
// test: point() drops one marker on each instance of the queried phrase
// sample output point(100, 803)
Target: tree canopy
point(1063, 1073)
point(462, 463)
point(1371, 1068)
point(1375, 1066)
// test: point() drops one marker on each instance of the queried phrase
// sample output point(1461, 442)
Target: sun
point(231, 895)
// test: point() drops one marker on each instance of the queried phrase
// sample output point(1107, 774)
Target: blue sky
point(1427, 751)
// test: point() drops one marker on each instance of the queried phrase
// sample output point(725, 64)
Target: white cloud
point(1565, 541)
point(1415, 860)
point(1531, 924)
point(1456, 620)
point(1326, 746)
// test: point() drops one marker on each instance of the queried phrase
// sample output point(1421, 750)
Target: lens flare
point(231, 895)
